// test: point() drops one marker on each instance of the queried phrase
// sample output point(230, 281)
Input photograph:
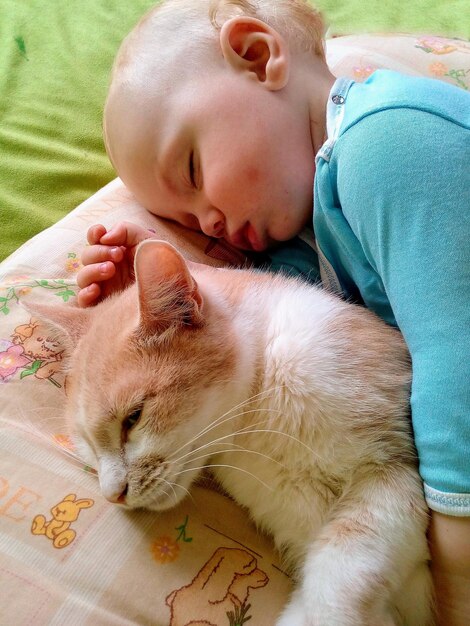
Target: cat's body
point(297, 400)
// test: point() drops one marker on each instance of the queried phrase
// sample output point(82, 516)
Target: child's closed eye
point(194, 171)
point(191, 169)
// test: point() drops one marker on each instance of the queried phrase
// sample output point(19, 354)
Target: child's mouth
point(255, 242)
point(247, 238)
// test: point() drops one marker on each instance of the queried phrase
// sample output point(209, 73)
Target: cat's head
point(151, 369)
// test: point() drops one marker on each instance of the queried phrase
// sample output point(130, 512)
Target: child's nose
point(213, 223)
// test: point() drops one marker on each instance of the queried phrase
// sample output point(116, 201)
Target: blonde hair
point(196, 22)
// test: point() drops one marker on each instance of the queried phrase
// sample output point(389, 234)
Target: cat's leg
point(418, 586)
point(370, 559)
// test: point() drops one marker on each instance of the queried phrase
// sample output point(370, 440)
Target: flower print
point(22, 288)
point(5, 344)
point(459, 76)
point(64, 441)
point(18, 279)
point(11, 360)
point(438, 69)
point(361, 72)
point(435, 45)
point(165, 550)
point(73, 263)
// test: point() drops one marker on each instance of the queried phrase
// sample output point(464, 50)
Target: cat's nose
point(119, 497)
point(113, 479)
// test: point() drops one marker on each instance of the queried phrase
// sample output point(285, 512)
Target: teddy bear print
point(42, 349)
point(63, 514)
point(220, 587)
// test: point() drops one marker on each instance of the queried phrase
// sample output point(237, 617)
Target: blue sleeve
point(294, 258)
point(404, 187)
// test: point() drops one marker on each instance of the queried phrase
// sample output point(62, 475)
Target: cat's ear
point(71, 320)
point(168, 294)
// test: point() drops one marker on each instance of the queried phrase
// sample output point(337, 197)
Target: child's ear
point(249, 45)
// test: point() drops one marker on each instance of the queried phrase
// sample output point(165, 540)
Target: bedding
point(55, 59)
point(66, 554)
point(450, 18)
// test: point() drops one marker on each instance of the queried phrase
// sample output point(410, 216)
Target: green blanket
point(55, 59)
point(434, 17)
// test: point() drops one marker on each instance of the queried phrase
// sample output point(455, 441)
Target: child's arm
point(108, 261)
point(405, 192)
point(450, 548)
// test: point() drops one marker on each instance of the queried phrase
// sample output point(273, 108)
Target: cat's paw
point(294, 614)
point(300, 612)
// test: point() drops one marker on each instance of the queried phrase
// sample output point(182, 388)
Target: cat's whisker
point(209, 465)
point(165, 492)
point(236, 407)
point(170, 485)
point(43, 409)
point(214, 440)
point(282, 433)
point(244, 431)
point(249, 430)
point(38, 421)
point(28, 427)
point(217, 422)
point(184, 489)
point(214, 424)
point(239, 449)
point(200, 448)
point(248, 401)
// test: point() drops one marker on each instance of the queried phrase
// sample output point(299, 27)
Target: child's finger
point(125, 234)
point(95, 273)
point(88, 295)
point(95, 233)
point(100, 253)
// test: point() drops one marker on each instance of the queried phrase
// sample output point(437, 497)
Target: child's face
point(219, 154)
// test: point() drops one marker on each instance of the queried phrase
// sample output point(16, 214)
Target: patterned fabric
point(357, 56)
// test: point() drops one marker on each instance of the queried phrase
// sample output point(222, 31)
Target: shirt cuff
point(455, 504)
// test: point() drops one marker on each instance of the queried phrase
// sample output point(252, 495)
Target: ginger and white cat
point(298, 402)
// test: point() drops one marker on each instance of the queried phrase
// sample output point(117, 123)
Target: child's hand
point(108, 261)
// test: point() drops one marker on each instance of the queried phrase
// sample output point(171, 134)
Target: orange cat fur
point(298, 402)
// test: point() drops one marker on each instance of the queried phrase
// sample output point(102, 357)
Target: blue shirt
point(392, 227)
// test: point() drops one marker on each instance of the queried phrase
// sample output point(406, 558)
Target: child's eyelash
point(191, 169)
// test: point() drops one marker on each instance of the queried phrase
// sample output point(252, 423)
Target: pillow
point(357, 56)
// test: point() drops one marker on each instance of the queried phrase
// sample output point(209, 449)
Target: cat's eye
point(131, 420)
